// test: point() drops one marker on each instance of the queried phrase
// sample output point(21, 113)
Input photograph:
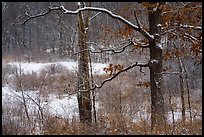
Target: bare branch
point(114, 76)
point(65, 11)
point(114, 51)
point(107, 50)
point(41, 14)
point(138, 23)
point(193, 39)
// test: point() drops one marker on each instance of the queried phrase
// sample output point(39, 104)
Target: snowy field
point(66, 105)
point(72, 66)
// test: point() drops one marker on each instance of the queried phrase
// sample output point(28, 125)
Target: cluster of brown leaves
point(143, 84)
point(125, 31)
point(106, 32)
point(113, 69)
point(195, 48)
point(175, 53)
point(125, 11)
point(150, 5)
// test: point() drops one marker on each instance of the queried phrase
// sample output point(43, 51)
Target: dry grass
point(119, 103)
point(52, 79)
point(107, 124)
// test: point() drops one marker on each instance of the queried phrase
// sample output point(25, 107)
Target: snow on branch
point(79, 4)
point(191, 27)
point(94, 16)
point(142, 31)
point(108, 12)
point(192, 38)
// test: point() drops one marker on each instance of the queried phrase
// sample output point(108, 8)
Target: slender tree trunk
point(188, 92)
point(183, 109)
point(182, 90)
point(84, 100)
point(158, 115)
point(172, 112)
point(93, 92)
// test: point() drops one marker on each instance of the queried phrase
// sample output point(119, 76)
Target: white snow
point(98, 68)
point(72, 66)
point(154, 61)
point(177, 116)
point(8, 94)
point(159, 25)
point(159, 46)
point(66, 106)
point(61, 105)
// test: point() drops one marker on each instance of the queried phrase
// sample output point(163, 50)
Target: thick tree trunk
point(84, 101)
point(158, 117)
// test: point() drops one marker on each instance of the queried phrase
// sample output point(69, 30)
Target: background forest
point(123, 57)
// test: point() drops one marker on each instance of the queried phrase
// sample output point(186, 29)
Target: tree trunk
point(183, 108)
point(188, 92)
point(182, 90)
point(158, 117)
point(84, 101)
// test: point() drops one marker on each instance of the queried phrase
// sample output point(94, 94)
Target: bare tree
point(84, 99)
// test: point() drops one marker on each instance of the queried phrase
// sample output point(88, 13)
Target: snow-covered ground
point(65, 105)
point(72, 66)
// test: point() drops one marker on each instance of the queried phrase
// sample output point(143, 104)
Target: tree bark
point(158, 117)
point(84, 100)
